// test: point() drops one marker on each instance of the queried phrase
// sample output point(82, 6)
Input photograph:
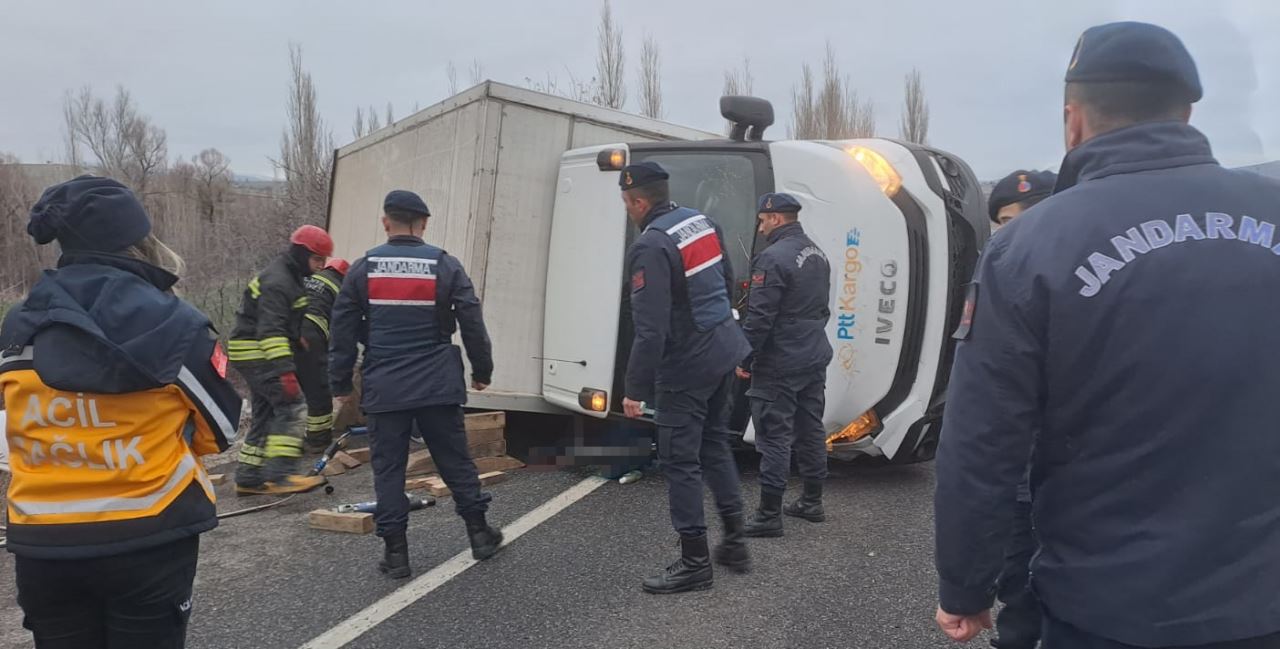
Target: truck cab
point(902, 225)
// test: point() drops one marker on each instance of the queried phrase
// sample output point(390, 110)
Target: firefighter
point(1117, 336)
point(114, 387)
point(312, 354)
point(787, 313)
point(408, 297)
point(682, 361)
point(268, 329)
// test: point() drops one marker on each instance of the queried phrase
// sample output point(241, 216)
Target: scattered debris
point(216, 479)
point(350, 523)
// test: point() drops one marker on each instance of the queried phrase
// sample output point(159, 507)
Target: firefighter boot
point(809, 505)
point(248, 477)
point(287, 484)
point(767, 522)
point(692, 571)
point(732, 551)
point(316, 443)
point(395, 557)
point(485, 540)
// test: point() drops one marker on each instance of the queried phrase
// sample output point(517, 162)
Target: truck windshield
point(722, 185)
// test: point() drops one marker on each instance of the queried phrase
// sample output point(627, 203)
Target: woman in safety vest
point(113, 389)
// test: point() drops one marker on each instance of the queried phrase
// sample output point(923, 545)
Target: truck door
point(584, 276)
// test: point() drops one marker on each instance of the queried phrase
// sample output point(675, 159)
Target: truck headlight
point(881, 171)
point(593, 400)
point(611, 159)
point(865, 425)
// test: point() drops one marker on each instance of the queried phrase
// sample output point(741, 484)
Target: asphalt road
point(862, 579)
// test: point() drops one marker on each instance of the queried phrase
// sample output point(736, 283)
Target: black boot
point(317, 443)
point(809, 505)
point(395, 558)
point(767, 522)
point(692, 571)
point(485, 540)
point(732, 551)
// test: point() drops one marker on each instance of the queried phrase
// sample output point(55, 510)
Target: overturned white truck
point(523, 189)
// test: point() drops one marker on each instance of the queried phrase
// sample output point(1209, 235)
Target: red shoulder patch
point(965, 327)
point(637, 280)
point(219, 360)
point(757, 278)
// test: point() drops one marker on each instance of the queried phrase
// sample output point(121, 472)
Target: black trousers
point(1060, 635)
point(1018, 624)
point(444, 430)
point(312, 362)
point(693, 447)
point(787, 411)
point(141, 599)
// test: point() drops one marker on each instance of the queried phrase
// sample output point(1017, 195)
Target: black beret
point(399, 200)
point(641, 174)
point(1132, 51)
point(778, 202)
point(1020, 186)
point(89, 213)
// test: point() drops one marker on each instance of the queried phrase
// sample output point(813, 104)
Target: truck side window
point(723, 186)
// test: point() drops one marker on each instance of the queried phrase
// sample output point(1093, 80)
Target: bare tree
point(577, 90)
point(738, 82)
point(358, 128)
point(123, 142)
point(212, 179)
point(650, 79)
point(306, 148)
point(835, 111)
point(914, 126)
point(373, 123)
point(451, 73)
point(390, 115)
point(477, 72)
point(611, 85)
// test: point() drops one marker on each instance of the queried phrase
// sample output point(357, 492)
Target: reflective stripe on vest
point(701, 257)
point(176, 482)
point(402, 281)
point(699, 246)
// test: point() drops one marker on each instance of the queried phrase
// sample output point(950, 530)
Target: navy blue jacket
point(789, 305)
point(685, 334)
point(1130, 319)
point(404, 300)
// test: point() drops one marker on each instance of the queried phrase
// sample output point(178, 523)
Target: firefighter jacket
point(113, 388)
point(270, 316)
point(685, 334)
point(322, 290)
point(408, 298)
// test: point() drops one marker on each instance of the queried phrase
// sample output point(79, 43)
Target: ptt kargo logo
point(846, 300)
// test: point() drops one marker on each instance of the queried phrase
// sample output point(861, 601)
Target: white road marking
point(381, 610)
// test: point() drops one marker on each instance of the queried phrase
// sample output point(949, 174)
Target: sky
point(215, 74)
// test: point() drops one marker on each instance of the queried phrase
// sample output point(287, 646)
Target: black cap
point(778, 203)
point(1020, 186)
point(640, 174)
point(400, 200)
point(1133, 51)
point(89, 213)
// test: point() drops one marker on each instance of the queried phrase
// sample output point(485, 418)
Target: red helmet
point(314, 239)
point(339, 265)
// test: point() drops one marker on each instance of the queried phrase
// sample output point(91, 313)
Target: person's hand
point(742, 374)
point(289, 382)
point(963, 628)
point(478, 386)
point(632, 408)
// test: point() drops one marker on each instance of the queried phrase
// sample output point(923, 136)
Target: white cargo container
point(487, 162)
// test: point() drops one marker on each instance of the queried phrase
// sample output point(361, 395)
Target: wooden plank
point(488, 449)
point(497, 463)
point(216, 479)
point(354, 523)
point(437, 487)
point(346, 460)
point(492, 477)
point(418, 483)
point(486, 420)
point(349, 414)
point(420, 463)
point(361, 455)
point(486, 435)
point(333, 468)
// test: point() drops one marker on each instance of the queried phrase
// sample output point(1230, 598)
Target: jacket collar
point(405, 240)
point(1142, 147)
point(784, 231)
point(158, 277)
point(657, 211)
